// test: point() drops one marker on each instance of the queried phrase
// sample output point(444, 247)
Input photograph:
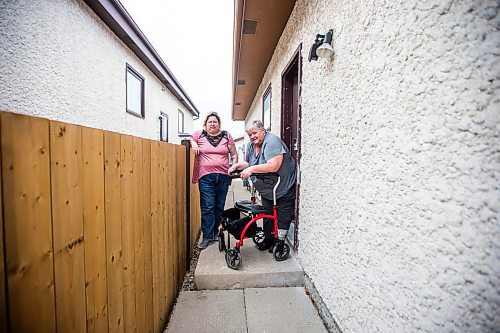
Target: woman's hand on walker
point(246, 173)
point(233, 168)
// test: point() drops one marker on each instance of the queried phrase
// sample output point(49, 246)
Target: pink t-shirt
point(211, 159)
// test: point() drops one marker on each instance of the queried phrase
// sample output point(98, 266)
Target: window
point(163, 127)
point(180, 121)
point(135, 92)
point(266, 109)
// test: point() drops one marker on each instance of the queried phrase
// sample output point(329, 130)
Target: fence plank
point(175, 202)
point(148, 270)
point(140, 305)
point(167, 158)
point(177, 222)
point(94, 230)
point(170, 180)
point(128, 260)
point(155, 206)
point(27, 223)
point(162, 228)
point(181, 199)
point(3, 299)
point(113, 231)
point(67, 224)
point(177, 217)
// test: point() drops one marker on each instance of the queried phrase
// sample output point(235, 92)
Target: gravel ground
point(189, 284)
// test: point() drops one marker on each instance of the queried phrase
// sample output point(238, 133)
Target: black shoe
point(205, 243)
point(266, 244)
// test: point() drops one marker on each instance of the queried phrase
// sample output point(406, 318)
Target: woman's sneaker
point(204, 244)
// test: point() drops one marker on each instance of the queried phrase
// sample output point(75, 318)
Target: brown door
point(290, 126)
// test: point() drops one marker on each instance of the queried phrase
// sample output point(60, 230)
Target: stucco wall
point(59, 61)
point(399, 203)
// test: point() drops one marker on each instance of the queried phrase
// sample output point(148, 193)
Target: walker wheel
point(222, 242)
point(281, 251)
point(233, 258)
point(259, 237)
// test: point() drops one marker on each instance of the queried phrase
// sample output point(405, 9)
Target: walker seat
point(248, 206)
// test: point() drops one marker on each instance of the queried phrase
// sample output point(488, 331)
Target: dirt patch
point(189, 284)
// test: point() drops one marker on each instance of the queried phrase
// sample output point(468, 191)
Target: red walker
point(246, 227)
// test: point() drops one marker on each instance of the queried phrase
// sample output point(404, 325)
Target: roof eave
point(116, 17)
point(253, 51)
point(238, 22)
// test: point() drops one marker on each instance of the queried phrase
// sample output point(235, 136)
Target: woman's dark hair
point(211, 114)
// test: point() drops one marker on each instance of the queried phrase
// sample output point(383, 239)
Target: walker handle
point(264, 175)
point(235, 174)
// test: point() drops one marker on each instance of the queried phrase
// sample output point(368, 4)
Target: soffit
point(253, 51)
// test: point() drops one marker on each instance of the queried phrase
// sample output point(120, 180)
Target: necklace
point(214, 140)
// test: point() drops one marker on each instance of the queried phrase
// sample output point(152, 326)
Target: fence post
point(186, 143)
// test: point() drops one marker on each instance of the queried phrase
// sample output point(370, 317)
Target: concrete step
point(255, 310)
point(249, 300)
point(258, 269)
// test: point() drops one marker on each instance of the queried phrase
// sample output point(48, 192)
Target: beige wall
point(399, 203)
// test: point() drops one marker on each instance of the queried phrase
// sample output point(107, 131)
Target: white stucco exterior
point(59, 61)
point(399, 202)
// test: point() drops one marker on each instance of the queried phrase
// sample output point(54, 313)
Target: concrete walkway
point(262, 296)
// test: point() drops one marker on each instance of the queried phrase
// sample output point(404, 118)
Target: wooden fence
point(94, 228)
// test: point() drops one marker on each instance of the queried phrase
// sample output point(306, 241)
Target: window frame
point(180, 121)
point(133, 72)
point(163, 125)
point(267, 94)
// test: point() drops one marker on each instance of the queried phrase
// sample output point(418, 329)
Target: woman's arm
point(273, 165)
point(194, 146)
point(234, 154)
point(238, 166)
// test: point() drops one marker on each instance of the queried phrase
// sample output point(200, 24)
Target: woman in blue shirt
point(267, 153)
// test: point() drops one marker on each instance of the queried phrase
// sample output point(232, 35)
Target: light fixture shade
point(325, 51)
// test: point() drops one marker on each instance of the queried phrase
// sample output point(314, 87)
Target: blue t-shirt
point(272, 146)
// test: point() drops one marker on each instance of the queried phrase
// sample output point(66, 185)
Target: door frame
point(295, 60)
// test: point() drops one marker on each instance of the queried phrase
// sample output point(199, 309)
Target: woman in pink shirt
point(212, 148)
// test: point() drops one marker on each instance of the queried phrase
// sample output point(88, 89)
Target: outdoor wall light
point(322, 46)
